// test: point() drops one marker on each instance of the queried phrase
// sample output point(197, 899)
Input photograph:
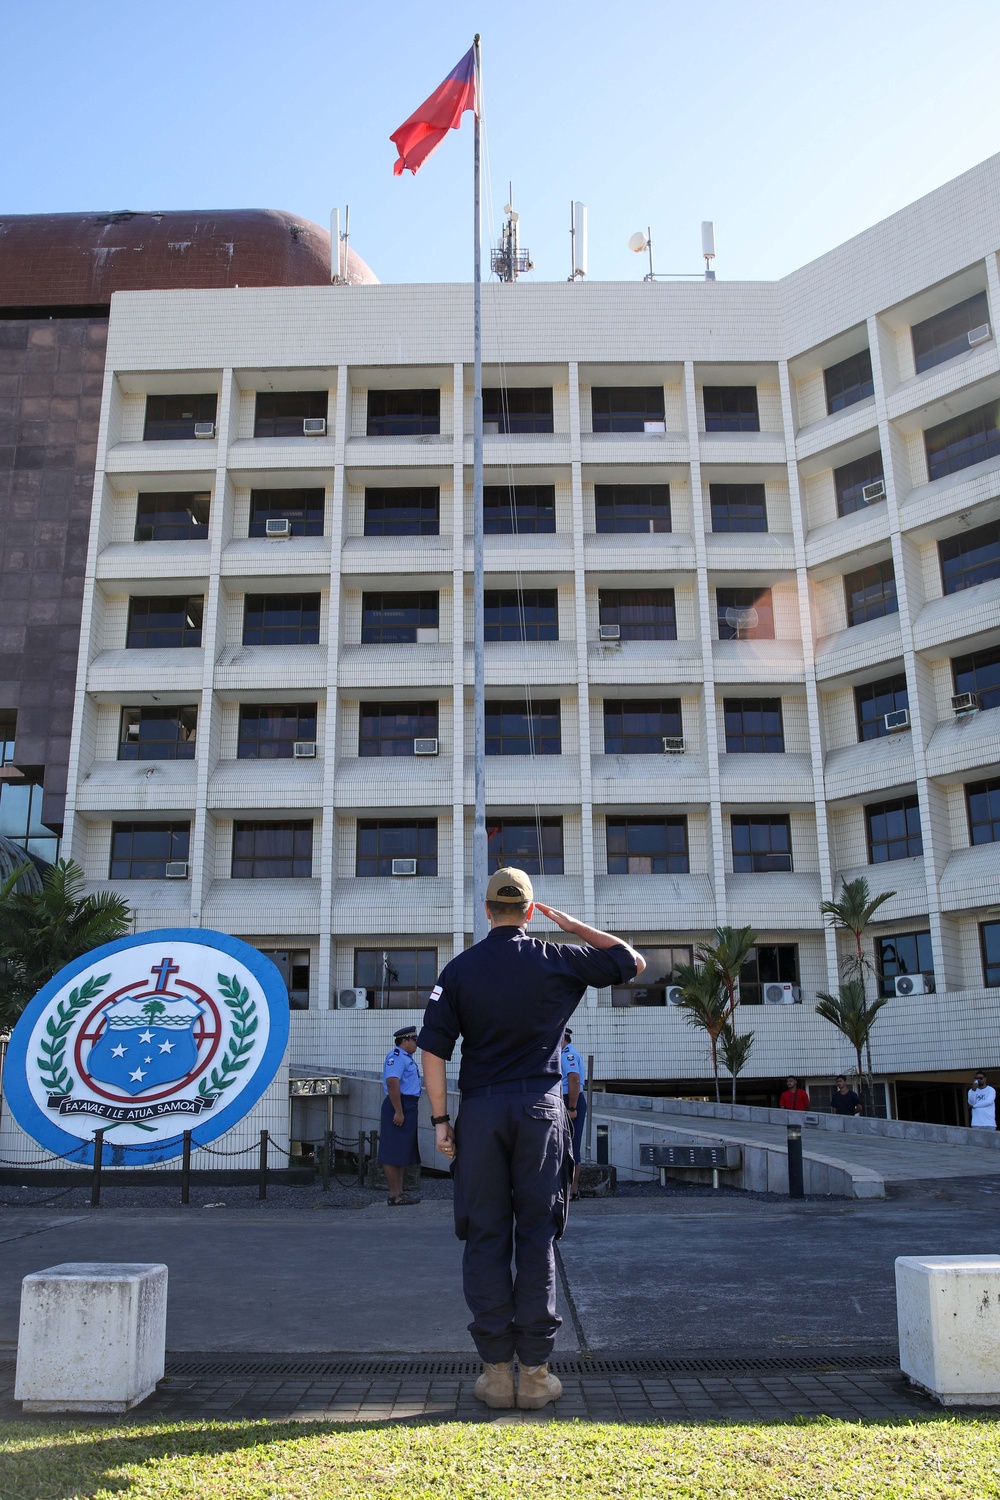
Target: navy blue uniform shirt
point(510, 998)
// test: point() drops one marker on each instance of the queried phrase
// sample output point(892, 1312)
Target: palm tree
point(853, 1014)
point(152, 1009)
point(735, 1051)
point(41, 930)
point(727, 954)
point(853, 913)
point(704, 999)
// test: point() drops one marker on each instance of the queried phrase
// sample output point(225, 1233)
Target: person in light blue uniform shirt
point(576, 1102)
point(397, 1141)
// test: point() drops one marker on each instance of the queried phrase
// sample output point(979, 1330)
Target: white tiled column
point(458, 665)
point(582, 667)
point(325, 978)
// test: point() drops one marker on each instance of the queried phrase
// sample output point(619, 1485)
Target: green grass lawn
point(942, 1458)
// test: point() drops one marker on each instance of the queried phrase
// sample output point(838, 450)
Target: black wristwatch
point(440, 1119)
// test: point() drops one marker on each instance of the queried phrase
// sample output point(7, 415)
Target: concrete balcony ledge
point(630, 780)
point(155, 903)
point(741, 447)
point(287, 667)
point(382, 555)
point(616, 552)
point(517, 780)
point(399, 452)
point(545, 553)
point(397, 905)
point(943, 499)
point(754, 662)
point(963, 744)
point(871, 766)
point(907, 877)
point(503, 448)
point(396, 665)
point(839, 427)
point(655, 902)
point(842, 540)
point(642, 662)
point(252, 557)
point(767, 779)
point(735, 552)
point(515, 663)
point(858, 647)
point(960, 616)
point(264, 907)
point(192, 455)
point(947, 379)
point(291, 785)
point(283, 453)
point(364, 783)
point(188, 562)
point(119, 672)
point(635, 448)
point(138, 785)
point(777, 900)
point(971, 879)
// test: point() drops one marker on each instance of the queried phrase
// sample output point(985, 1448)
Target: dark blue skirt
point(578, 1128)
point(397, 1144)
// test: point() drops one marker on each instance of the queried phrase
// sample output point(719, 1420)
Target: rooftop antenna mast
point(338, 246)
point(640, 242)
point(508, 260)
point(578, 241)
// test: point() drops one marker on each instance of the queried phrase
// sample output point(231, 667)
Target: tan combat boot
point(495, 1385)
point(536, 1387)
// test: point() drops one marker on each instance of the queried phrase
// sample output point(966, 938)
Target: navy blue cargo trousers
point(513, 1166)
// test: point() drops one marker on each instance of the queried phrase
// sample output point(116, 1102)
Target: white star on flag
point(138, 1075)
point(146, 1036)
point(119, 1051)
point(166, 1046)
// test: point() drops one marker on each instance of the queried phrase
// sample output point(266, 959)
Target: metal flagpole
point(479, 842)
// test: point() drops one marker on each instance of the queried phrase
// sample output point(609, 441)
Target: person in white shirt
point(983, 1103)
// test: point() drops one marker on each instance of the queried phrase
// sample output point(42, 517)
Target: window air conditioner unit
point(280, 527)
point(654, 426)
point(176, 869)
point(874, 491)
point(914, 984)
point(427, 635)
point(491, 429)
point(979, 335)
point(314, 427)
point(897, 720)
point(610, 632)
point(782, 994)
point(404, 867)
point(674, 994)
point(352, 999)
point(965, 703)
point(304, 749)
point(673, 744)
point(204, 429)
point(425, 746)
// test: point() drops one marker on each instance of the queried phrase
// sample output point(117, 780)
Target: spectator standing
point(397, 1140)
point(576, 1103)
point(983, 1104)
point(793, 1097)
point(845, 1101)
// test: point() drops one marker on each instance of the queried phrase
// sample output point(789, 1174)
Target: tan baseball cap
point(510, 887)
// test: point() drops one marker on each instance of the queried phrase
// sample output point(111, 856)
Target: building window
point(628, 408)
point(293, 966)
point(528, 615)
point(142, 851)
point(989, 935)
point(172, 518)
point(396, 978)
point(280, 414)
point(947, 333)
point(404, 413)
point(982, 800)
point(510, 510)
point(744, 614)
point(640, 614)
point(754, 726)
point(979, 673)
point(650, 987)
point(520, 729)
point(731, 408)
point(738, 507)
point(381, 840)
point(303, 509)
point(268, 731)
point(272, 851)
point(402, 512)
point(647, 846)
point(534, 845)
point(876, 699)
point(632, 507)
point(173, 418)
point(893, 830)
point(397, 617)
point(851, 480)
point(21, 819)
point(768, 963)
point(8, 729)
point(391, 728)
point(158, 622)
point(963, 441)
point(971, 557)
point(517, 410)
point(638, 726)
point(158, 733)
point(905, 953)
point(281, 620)
point(762, 844)
point(849, 381)
point(871, 593)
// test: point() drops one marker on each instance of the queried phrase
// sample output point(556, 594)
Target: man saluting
point(510, 998)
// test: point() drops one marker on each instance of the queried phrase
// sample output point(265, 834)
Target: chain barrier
point(240, 1151)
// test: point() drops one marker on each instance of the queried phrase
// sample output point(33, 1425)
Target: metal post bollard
point(186, 1168)
point(262, 1181)
point(590, 1106)
point(795, 1187)
point(327, 1160)
point(95, 1186)
point(362, 1139)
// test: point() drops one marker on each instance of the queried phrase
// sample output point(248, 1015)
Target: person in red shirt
point(793, 1097)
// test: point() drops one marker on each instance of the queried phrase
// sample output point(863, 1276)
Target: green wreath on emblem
point(243, 1013)
point(56, 1077)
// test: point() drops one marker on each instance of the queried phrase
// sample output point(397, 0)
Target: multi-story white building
point(743, 609)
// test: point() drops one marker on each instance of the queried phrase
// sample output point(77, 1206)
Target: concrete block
point(948, 1311)
point(92, 1336)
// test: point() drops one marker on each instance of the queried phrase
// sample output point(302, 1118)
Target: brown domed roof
point(78, 260)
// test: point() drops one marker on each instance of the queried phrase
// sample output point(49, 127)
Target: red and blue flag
point(428, 125)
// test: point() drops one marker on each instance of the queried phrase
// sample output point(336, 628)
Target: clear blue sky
point(790, 123)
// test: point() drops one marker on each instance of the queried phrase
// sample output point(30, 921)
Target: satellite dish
point(739, 620)
point(638, 242)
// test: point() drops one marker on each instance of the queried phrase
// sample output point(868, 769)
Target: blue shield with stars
point(146, 1043)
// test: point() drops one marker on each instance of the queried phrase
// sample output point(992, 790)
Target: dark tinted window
point(754, 725)
point(141, 851)
point(281, 620)
point(849, 381)
point(293, 966)
point(637, 726)
point(303, 508)
point(517, 410)
point(397, 617)
point(738, 507)
point(963, 441)
point(381, 840)
point(534, 845)
point(905, 953)
point(21, 819)
point(518, 508)
point(532, 615)
point(272, 851)
point(404, 413)
point(158, 622)
point(391, 728)
point(982, 800)
point(650, 987)
point(851, 480)
point(402, 512)
point(731, 408)
point(893, 830)
point(876, 699)
point(158, 733)
point(520, 729)
point(172, 518)
point(768, 963)
point(971, 557)
point(647, 846)
point(632, 507)
point(989, 933)
point(979, 673)
point(396, 978)
point(744, 614)
point(947, 333)
point(871, 593)
point(761, 844)
point(268, 731)
point(640, 614)
point(280, 414)
point(625, 408)
point(171, 418)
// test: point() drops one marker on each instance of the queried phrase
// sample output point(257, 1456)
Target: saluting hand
point(560, 918)
point(444, 1136)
